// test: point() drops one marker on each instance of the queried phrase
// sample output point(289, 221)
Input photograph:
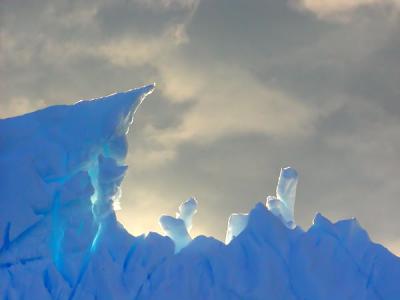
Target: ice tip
point(148, 89)
point(319, 219)
point(143, 91)
point(137, 95)
point(289, 172)
point(192, 201)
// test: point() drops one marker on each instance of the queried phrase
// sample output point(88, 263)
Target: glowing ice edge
point(60, 174)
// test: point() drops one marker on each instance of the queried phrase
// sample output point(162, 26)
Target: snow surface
point(60, 174)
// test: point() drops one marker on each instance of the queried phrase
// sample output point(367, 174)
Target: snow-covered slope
point(60, 172)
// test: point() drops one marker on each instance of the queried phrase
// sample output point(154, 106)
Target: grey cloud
point(118, 18)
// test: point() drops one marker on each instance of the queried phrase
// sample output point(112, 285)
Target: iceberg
point(61, 170)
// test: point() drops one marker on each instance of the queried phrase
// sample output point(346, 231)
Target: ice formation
point(186, 212)
point(282, 205)
point(60, 175)
point(236, 224)
point(178, 229)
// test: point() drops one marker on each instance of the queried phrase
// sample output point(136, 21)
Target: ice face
point(236, 224)
point(178, 228)
point(286, 188)
point(69, 161)
point(282, 205)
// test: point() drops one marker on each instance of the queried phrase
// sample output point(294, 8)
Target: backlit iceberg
point(61, 170)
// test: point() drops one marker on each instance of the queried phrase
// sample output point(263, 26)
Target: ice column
point(283, 204)
point(186, 211)
point(178, 228)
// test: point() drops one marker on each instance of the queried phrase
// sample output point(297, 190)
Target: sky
point(243, 89)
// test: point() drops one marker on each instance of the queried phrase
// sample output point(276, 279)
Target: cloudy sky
point(243, 88)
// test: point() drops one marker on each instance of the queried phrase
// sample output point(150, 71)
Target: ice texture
point(61, 170)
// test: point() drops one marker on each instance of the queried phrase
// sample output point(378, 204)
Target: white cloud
point(329, 8)
point(226, 101)
point(131, 51)
point(231, 100)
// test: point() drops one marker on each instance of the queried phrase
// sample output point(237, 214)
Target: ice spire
point(283, 204)
point(286, 188)
point(178, 228)
point(186, 211)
